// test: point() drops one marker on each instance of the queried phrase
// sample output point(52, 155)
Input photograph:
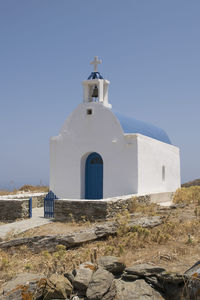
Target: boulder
point(70, 277)
point(192, 287)
point(99, 285)
point(57, 287)
point(111, 264)
point(170, 284)
point(24, 286)
point(136, 290)
point(141, 270)
point(194, 270)
point(146, 222)
point(83, 276)
point(110, 295)
point(38, 243)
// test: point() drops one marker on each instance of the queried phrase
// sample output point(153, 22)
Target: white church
point(99, 154)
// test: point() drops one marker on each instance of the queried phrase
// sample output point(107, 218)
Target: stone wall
point(14, 209)
point(68, 210)
point(119, 205)
point(75, 210)
point(37, 201)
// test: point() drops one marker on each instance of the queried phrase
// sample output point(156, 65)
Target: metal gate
point(49, 205)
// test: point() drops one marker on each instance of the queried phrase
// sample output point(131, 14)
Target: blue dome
point(95, 75)
point(130, 125)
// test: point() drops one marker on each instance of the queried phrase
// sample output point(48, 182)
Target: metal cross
point(95, 63)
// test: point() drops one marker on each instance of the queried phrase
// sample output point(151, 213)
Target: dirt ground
point(176, 254)
point(56, 228)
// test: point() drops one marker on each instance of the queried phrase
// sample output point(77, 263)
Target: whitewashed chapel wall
point(82, 134)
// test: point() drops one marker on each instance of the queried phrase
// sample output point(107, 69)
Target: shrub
point(187, 195)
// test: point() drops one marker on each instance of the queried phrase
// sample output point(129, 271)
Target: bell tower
point(95, 88)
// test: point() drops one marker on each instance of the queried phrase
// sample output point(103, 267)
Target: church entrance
point(94, 177)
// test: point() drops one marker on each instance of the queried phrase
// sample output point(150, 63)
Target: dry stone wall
point(12, 209)
point(68, 210)
point(37, 201)
point(94, 210)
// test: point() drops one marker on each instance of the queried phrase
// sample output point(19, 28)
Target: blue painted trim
point(131, 125)
point(94, 176)
point(95, 75)
point(30, 208)
point(49, 205)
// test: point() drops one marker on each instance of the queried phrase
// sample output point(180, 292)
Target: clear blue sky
point(151, 55)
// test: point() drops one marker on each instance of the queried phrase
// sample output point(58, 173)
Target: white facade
point(132, 163)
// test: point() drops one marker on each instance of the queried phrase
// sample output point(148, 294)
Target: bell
point(95, 93)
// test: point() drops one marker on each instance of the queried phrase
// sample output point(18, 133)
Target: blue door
point(94, 177)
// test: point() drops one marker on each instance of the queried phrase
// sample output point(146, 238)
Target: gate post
point(30, 208)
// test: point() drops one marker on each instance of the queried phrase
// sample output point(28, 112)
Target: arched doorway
point(94, 176)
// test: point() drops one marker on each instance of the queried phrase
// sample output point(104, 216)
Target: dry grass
point(5, 192)
point(175, 244)
point(165, 245)
point(147, 210)
point(188, 195)
point(26, 188)
point(191, 183)
point(34, 188)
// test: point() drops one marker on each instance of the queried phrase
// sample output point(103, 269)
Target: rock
point(177, 205)
point(38, 243)
point(141, 270)
point(146, 222)
point(75, 297)
point(192, 287)
point(106, 229)
point(137, 290)
point(170, 284)
point(16, 294)
point(110, 295)
point(83, 276)
point(130, 277)
point(99, 285)
point(111, 264)
point(194, 270)
point(70, 277)
point(57, 287)
point(24, 286)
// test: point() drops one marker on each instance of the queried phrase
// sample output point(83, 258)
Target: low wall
point(37, 201)
point(68, 210)
point(12, 209)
